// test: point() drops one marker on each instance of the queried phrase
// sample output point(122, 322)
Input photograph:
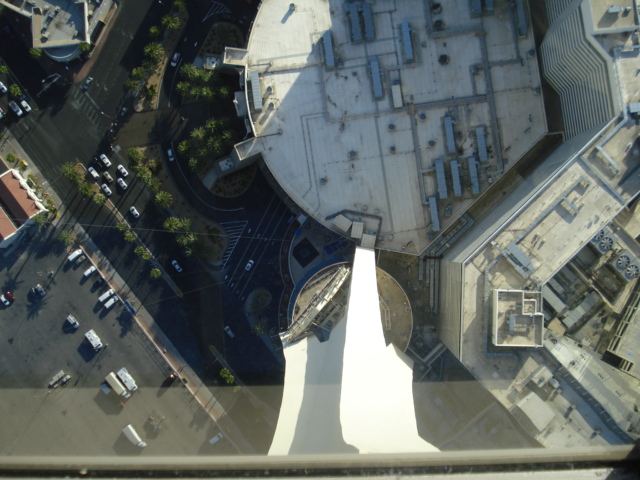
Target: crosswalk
point(83, 102)
point(216, 8)
point(234, 232)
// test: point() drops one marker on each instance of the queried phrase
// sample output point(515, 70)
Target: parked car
point(39, 290)
point(122, 183)
point(105, 161)
point(229, 332)
point(123, 171)
point(175, 59)
point(25, 106)
point(16, 109)
point(72, 320)
point(5, 301)
point(107, 178)
point(93, 173)
point(170, 155)
point(176, 265)
point(3, 89)
point(87, 82)
point(249, 265)
point(134, 212)
point(107, 191)
point(1, 114)
point(9, 296)
point(89, 271)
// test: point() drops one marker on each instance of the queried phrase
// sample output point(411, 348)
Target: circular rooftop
point(357, 117)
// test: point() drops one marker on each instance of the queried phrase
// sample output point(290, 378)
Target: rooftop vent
point(438, 25)
point(443, 59)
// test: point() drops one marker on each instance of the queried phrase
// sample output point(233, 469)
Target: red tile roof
point(18, 205)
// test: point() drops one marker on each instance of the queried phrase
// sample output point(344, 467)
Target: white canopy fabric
point(351, 393)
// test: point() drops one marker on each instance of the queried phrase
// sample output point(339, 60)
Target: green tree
point(171, 22)
point(183, 88)
point(259, 327)
point(70, 171)
point(154, 184)
point(67, 237)
point(207, 94)
point(84, 47)
point(143, 253)
point(12, 158)
point(184, 224)
point(139, 73)
point(150, 92)
point(3, 69)
point(189, 71)
point(85, 188)
point(99, 199)
point(15, 91)
point(195, 164)
point(35, 53)
point(180, 6)
point(172, 224)
point(224, 93)
point(184, 147)
point(40, 219)
point(227, 376)
point(154, 51)
point(131, 84)
point(122, 226)
point(198, 134)
point(135, 156)
point(164, 199)
point(185, 239)
point(129, 236)
point(155, 32)
point(155, 273)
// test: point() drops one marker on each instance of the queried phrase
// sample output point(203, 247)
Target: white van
point(133, 436)
point(116, 386)
point(105, 295)
point(89, 271)
point(112, 301)
point(93, 339)
point(75, 254)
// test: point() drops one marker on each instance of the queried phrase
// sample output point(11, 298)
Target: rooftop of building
point(338, 142)
point(17, 197)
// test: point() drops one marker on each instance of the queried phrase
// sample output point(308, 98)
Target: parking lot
point(80, 419)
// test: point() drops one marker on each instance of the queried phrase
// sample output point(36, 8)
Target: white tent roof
point(351, 393)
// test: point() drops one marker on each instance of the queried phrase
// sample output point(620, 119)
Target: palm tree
point(84, 47)
point(199, 134)
point(143, 253)
point(70, 171)
point(184, 224)
point(155, 273)
point(35, 53)
point(129, 236)
point(154, 184)
point(154, 51)
point(134, 155)
point(99, 199)
point(164, 199)
point(15, 91)
point(122, 226)
point(189, 71)
point(183, 88)
point(196, 92)
point(139, 73)
point(184, 147)
point(67, 237)
point(185, 239)
point(3, 69)
point(130, 84)
point(171, 22)
point(211, 125)
point(171, 224)
point(180, 6)
point(207, 94)
point(85, 189)
point(155, 32)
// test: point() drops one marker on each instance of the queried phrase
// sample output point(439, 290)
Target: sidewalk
point(175, 361)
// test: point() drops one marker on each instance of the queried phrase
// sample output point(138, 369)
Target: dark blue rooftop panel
point(481, 138)
point(356, 32)
point(488, 5)
point(441, 179)
point(369, 30)
point(406, 41)
point(448, 130)
point(435, 219)
point(375, 77)
point(327, 44)
point(476, 8)
point(522, 18)
point(473, 173)
point(455, 175)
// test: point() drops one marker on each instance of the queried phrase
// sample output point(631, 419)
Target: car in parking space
point(6, 299)
point(89, 271)
point(9, 296)
point(170, 155)
point(123, 171)
point(249, 265)
point(3, 89)
point(39, 290)
point(72, 320)
point(25, 106)
point(228, 331)
point(93, 173)
point(107, 191)
point(134, 212)
point(16, 109)
point(122, 183)
point(87, 82)
point(175, 59)
point(176, 265)
point(1, 114)
point(105, 161)
point(107, 178)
